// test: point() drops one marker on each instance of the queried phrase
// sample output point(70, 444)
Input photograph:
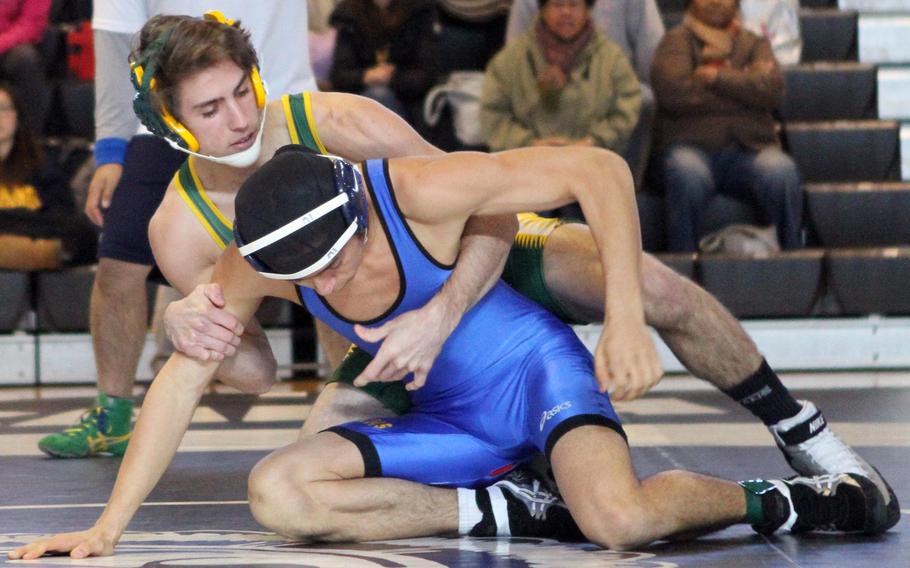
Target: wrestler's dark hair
point(192, 44)
point(294, 181)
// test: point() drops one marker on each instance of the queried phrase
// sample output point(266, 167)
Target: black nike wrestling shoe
point(826, 503)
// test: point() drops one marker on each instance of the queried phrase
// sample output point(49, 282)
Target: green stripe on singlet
point(192, 192)
point(301, 118)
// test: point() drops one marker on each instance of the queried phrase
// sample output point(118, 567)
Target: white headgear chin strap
point(294, 226)
point(242, 159)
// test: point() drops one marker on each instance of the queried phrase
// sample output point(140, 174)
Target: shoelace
point(538, 500)
point(93, 417)
point(827, 512)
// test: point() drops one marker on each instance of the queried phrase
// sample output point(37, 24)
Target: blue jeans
point(768, 178)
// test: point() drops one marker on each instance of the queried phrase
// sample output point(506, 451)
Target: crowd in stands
point(604, 73)
point(692, 109)
point(40, 225)
point(717, 86)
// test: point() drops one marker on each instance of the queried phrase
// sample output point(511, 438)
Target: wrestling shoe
point(844, 503)
point(104, 429)
point(811, 448)
point(533, 510)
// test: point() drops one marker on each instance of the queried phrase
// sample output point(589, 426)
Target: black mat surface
point(197, 515)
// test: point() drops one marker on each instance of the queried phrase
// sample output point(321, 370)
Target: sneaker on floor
point(811, 448)
point(104, 429)
point(842, 503)
point(533, 510)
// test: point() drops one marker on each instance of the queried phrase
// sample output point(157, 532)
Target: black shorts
point(148, 168)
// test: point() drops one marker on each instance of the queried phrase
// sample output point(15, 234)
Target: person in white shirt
point(139, 166)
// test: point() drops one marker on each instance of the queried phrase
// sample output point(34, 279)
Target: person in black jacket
point(386, 50)
point(39, 226)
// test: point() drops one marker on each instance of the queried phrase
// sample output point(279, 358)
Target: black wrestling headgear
point(294, 214)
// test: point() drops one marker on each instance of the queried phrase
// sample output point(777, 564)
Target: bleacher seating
point(829, 34)
point(651, 219)
point(830, 91)
point(849, 158)
point(63, 299)
point(77, 99)
point(870, 280)
point(818, 3)
point(682, 262)
point(845, 150)
point(860, 214)
point(785, 284)
point(16, 298)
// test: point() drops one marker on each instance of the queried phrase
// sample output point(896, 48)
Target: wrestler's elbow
point(261, 379)
point(250, 377)
point(597, 169)
point(613, 167)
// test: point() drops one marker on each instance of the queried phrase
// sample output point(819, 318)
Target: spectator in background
point(321, 40)
point(386, 50)
point(636, 27)
point(22, 25)
point(39, 226)
point(560, 83)
point(717, 86)
point(777, 20)
point(473, 31)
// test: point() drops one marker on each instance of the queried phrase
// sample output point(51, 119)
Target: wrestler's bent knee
point(281, 497)
point(616, 525)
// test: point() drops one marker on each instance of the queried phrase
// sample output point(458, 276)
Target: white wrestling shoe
point(812, 449)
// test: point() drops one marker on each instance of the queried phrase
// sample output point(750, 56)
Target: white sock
point(500, 511)
point(469, 514)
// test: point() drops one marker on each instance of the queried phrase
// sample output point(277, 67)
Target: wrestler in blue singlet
point(509, 381)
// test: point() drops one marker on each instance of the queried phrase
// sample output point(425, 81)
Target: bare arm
point(444, 190)
point(186, 255)
point(165, 416)
point(115, 122)
point(166, 413)
point(359, 129)
point(170, 402)
point(484, 248)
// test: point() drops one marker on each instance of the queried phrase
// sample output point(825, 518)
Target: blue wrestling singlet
point(509, 381)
